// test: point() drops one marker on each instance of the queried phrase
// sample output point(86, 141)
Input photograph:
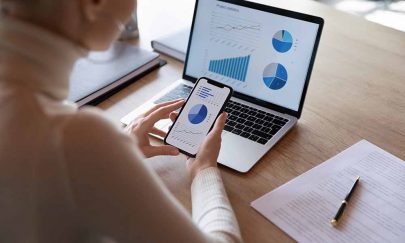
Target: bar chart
point(235, 67)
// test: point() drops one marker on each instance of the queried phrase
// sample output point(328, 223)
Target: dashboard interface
point(257, 53)
point(197, 117)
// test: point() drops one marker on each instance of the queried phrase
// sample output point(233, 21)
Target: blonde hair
point(30, 7)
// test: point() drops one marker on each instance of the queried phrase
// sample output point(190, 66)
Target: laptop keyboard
point(251, 123)
point(181, 91)
point(248, 122)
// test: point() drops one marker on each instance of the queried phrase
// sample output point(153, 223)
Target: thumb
point(220, 123)
point(216, 131)
point(151, 151)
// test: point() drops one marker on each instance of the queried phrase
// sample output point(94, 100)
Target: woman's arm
point(212, 211)
point(118, 196)
point(209, 198)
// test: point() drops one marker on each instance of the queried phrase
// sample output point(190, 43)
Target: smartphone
point(198, 115)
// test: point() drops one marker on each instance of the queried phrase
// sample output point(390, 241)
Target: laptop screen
point(260, 54)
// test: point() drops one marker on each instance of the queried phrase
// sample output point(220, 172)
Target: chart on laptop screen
point(258, 53)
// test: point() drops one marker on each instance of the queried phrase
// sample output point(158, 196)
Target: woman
point(71, 176)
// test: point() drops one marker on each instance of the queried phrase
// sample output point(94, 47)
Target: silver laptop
point(266, 54)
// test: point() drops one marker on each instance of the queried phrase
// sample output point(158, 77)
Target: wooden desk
point(357, 91)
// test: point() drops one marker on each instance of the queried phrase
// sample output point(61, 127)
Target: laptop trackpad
point(241, 161)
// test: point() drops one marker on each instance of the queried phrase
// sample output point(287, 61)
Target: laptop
point(266, 54)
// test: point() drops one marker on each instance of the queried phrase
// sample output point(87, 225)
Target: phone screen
point(198, 116)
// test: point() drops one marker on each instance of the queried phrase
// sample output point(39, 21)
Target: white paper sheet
point(304, 206)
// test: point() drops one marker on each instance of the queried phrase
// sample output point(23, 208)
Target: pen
point(342, 207)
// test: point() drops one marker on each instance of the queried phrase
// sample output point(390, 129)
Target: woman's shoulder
point(89, 120)
point(90, 128)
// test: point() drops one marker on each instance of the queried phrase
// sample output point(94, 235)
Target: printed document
point(304, 206)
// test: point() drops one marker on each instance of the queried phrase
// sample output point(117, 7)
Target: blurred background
point(390, 13)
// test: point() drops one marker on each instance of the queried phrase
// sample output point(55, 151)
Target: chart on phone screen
point(197, 117)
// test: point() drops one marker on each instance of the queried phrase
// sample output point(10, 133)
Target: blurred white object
point(131, 28)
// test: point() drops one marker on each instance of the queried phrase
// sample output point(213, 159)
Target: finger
point(189, 161)
point(216, 132)
point(158, 132)
point(152, 151)
point(135, 120)
point(158, 106)
point(173, 116)
point(161, 113)
point(220, 123)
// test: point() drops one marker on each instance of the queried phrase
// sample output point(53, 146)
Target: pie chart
point(197, 114)
point(282, 41)
point(275, 76)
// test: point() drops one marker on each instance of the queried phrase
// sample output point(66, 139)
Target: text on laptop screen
point(259, 54)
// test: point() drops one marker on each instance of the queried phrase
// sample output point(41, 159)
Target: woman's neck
point(36, 58)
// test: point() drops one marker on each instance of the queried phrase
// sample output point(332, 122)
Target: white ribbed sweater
point(71, 176)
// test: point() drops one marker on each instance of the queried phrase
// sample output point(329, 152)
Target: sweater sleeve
point(212, 211)
point(118, 196)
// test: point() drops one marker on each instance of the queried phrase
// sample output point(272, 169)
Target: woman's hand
point(145, 124)
point(209, 150)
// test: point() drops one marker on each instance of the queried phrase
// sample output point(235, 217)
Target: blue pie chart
point(282, 41)
point(197, 114)
point(275, 76)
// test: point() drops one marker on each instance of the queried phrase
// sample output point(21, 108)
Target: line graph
point(235, 32)
point(188, 132)
point(229, 27)
point(185, 134)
